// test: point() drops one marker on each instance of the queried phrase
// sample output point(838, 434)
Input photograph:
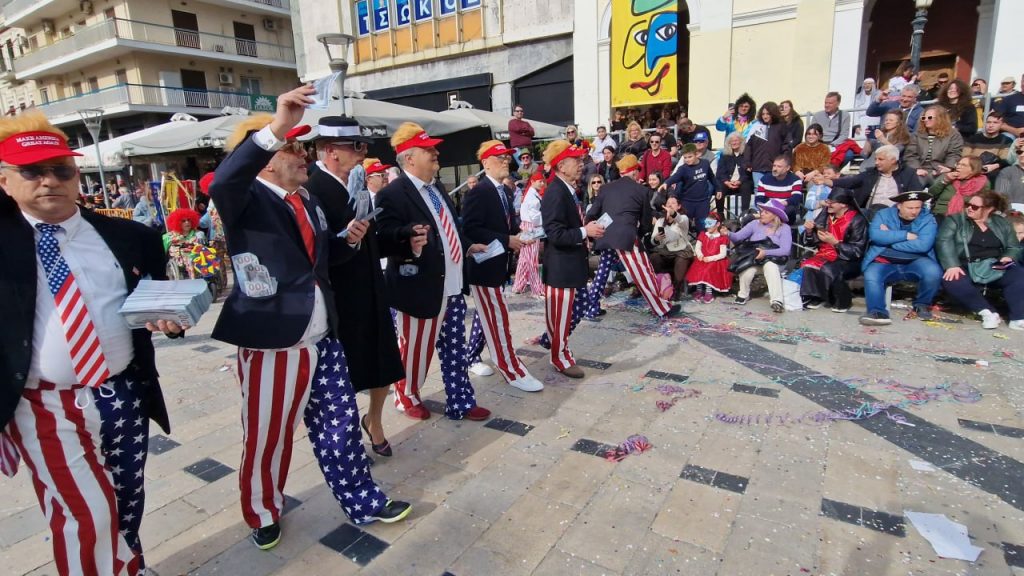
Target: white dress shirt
point(452, 271)
point(597, 149)
point(101, 282)
point(572, 187)
point(318, 324)
point(530, 210)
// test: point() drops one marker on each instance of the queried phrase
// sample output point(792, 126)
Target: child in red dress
point(710, 268)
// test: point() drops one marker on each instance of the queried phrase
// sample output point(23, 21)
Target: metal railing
point(138, 31)
point(148, 95)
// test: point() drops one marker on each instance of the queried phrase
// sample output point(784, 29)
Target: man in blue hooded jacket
point(901, 247)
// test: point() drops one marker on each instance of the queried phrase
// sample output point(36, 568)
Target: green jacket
point(956, 230)
point(942, 192)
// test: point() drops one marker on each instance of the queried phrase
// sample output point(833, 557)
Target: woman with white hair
point(865, 94)
point(733, 174)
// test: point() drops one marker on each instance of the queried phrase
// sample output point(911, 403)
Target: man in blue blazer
point(907, 103)
point(487, 217)
point(426, 276)
point(282, 317)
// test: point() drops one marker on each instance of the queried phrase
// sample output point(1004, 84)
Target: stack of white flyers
point(534, 234)
point(494, 249)
point(181, 301)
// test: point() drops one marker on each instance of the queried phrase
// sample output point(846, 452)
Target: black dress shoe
point(384, 448)
point(393, 511)
point(267, 537)
point(674, 311)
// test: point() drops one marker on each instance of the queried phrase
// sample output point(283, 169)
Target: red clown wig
point(174, 219)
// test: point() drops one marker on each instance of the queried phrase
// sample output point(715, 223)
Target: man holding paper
point(426, 276)
point(368, 336)
point(625, 213)
point(283, 319)
point(78, 385)
point(488, 218)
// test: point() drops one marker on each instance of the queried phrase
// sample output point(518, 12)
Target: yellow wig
point(485, 147)
point(369, 162)
point(627, 163)
point(405, 133)
point(29, 121)
point(250, 124)
point(554, 149)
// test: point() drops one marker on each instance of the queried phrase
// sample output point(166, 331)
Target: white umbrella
point(185, 136)
point(498, 123)
point(111, 150)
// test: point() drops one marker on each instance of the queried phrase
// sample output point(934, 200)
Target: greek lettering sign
point(449, 7)
point(403, 13)
point(381, 15)
point(422, 9)
point(363, 17)
point(470, 4)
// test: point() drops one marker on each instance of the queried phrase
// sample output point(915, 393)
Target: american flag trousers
point(277, 386)
point(417, 339)
point(490, 303)
point(527, 271)
point(563, 312)
point(86, 450)
point(640, 270)
point(595, 290)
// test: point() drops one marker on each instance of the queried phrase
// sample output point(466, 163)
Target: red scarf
point(964, 188)
point(827, 252)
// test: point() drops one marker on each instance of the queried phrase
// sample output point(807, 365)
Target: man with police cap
point(426, 276)
point(488, 217)
point(367, 333)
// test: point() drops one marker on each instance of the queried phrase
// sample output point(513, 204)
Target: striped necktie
point(87, 357)
point(446, 223)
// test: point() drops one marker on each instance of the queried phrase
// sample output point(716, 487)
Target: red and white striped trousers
point(558, 306)
point(642, 273)
point(490, 302)
point(275, 391)
point(527, 271)
point(61, 443)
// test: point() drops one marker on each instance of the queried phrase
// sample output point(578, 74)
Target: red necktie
point(305, 228)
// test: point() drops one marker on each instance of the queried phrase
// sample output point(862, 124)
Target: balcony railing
point(156, 34)
point(149, 95)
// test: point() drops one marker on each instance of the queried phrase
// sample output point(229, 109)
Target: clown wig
point(175, 219)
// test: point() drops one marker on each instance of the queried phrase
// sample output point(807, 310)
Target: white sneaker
point(1016, 324)
point(989, 319)
point(527, 384)
point(481, 369)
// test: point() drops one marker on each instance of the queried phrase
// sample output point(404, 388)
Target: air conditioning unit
point(48, 26)
point(269, 24)
point(226, 78)
point(218, 47)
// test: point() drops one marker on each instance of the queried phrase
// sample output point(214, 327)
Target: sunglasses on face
point(974, 206)
point(595, 182)
point(62, 172)
point(357, 146)
point(929, 117)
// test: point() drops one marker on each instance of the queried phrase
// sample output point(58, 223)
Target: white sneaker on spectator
point(1016, 324)
point(481, 369)
point(989, 319)
point(527, 384)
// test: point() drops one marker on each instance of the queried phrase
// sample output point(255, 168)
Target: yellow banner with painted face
point(644, 50)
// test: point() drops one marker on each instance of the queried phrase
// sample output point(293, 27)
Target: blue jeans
point(925, 271)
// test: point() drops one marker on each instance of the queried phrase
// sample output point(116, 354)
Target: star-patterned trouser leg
point(579, 312)
point(477, 342)
point(595, 290)
point(82, 448)
point(332, 421)
point(451, 350)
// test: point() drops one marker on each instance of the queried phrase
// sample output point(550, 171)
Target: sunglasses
point(974, 206)
point(598, 182)
point(62, 172)
point(928, 117)
point(357, 146)
point(570, 131)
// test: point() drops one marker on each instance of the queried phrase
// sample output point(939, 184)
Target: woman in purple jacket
point(771, 224)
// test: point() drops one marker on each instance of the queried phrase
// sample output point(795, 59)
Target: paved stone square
point(748, 472)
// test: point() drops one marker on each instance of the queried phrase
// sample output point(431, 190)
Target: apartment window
point(245, 39)
point(76, 88)
point(121, 76)
point(249, 85)
point(186, 29)
point(94, 84)
point(44, 95)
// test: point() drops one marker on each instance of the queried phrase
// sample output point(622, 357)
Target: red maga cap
point(300, 130)
point(498, 149)
point(377, 168)
point(570, 152)
point(31, 147)
point(420, 140)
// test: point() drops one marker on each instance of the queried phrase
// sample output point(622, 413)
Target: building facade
point(799, 49)
point(428, 53)
point(141, 61)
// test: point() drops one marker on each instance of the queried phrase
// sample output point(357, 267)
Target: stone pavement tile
point(559, 563)
point(862, 477)
point(848, 549)
point(728, 449)
point(318, 560)
point(168, 521)
point(478, 449)
point(698, 514)
point(618, 516)
point(216, 496)
point(761, 547)
point(431, 546)
point(788, 477)
point(659, 556)
point(435, 481)
point(45, 570)
point(573, 480)
point(525, 533)
point(552, 437)
point(476, 560)
point(492, 491)
point(186, 430)
point(20, 525)
point(799, 441)
point(166, 488)
point(28, 554)
point(187, 551)
point(242, 558)
point(224, 438)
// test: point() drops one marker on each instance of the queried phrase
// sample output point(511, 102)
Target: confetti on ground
point(635, 444)
point(563, 432)
point(1000, 336)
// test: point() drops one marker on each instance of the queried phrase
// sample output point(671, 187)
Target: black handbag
point(745, 255)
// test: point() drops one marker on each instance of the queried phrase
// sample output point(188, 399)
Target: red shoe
point(417, 412)
point(477, 413)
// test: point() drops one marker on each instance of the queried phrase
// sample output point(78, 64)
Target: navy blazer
point(626, 201)
point(415, 286)
point(485, 219)
point(139, 252)
point(258, 221)
point(911, 116)
point(565, 253)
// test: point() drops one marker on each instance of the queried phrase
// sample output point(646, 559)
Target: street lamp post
point(338, 63)
point(127, 150)
point(920, 19)
point(93, 118)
